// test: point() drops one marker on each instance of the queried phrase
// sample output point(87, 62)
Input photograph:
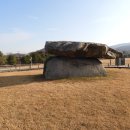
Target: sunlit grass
point(29, 102)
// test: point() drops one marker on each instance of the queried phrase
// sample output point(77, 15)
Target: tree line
point(12, 59)
point(126, 54)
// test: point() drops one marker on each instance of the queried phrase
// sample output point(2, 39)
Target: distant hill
point(41, 50)
point(16, 54)
point(122, 47)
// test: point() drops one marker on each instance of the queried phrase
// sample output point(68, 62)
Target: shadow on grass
point(7, 81)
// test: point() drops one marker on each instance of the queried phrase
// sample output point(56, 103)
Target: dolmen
point(76, 59)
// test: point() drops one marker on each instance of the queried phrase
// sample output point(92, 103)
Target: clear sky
point(25, 25)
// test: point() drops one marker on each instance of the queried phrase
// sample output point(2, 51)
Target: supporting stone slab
point(64, 67)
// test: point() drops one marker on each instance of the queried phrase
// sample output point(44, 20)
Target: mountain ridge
point(121, 47)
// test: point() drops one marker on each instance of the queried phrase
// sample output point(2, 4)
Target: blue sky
point(25, 25)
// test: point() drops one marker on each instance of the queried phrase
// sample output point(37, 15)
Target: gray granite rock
point(81, 49)
point(64, 67)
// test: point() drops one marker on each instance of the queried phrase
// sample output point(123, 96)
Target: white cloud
point(14, 37)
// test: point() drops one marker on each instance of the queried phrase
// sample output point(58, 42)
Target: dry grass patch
point(27, 102)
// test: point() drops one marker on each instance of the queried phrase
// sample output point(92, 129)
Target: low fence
point(107, 63)
point(23, 67)
point(20, 67)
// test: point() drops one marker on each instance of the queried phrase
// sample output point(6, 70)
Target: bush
point(2, 59)
point(11, 60)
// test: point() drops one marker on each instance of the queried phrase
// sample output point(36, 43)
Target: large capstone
point(81, 49)
point(65, 67)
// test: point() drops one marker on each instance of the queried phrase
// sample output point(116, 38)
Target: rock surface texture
point(64, 67)
point(76, 59)
point(81, 49)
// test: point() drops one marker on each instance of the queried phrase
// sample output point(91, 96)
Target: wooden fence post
point(110, 62)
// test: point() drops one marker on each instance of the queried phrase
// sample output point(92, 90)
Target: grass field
point(28, 102)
